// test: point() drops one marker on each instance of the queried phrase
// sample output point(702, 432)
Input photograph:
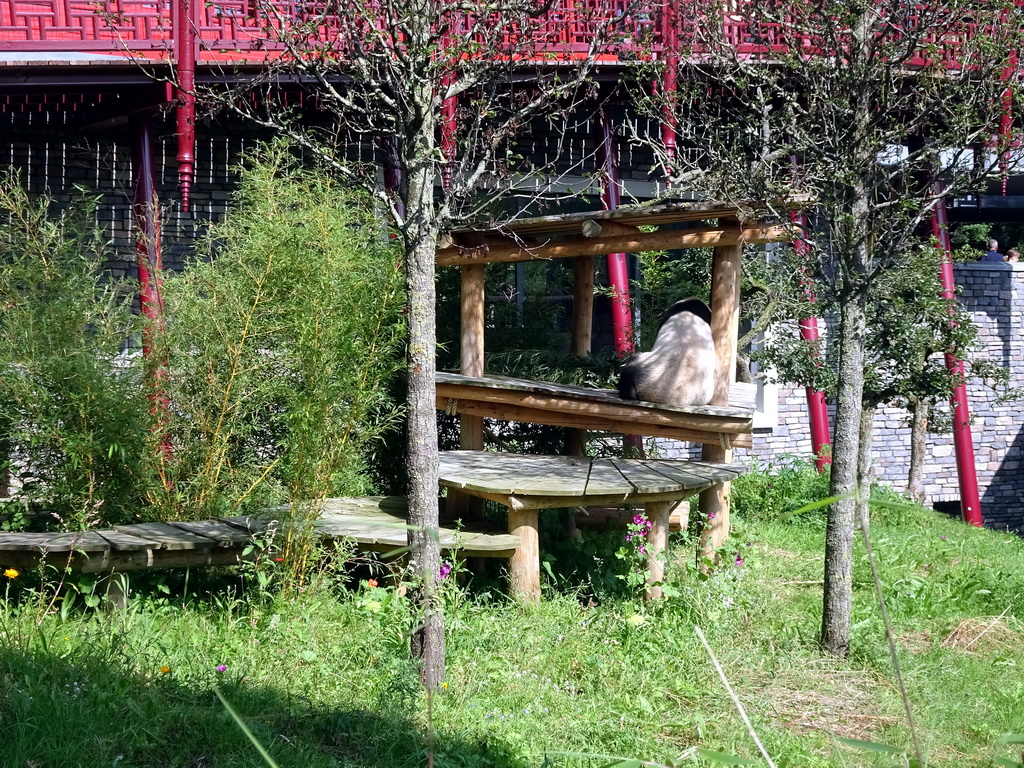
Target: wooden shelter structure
point(525, 484)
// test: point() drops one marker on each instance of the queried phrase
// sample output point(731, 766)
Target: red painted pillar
point(618, 277)
point(146, 212)
point(963, 443)
point(817, 407)
point(185, 39)
point(670, 59)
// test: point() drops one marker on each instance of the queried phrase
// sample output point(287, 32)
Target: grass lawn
point(325, 681)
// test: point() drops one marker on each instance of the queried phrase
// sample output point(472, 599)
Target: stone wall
point(994, 295)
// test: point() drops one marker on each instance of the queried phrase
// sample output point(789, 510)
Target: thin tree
point(448, 90)
point(858, 103)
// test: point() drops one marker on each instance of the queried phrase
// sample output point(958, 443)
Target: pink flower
point(446, 568)
point(739, 560)
point(222, 667)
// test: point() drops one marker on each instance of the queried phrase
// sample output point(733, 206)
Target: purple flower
point(446, 568)
point(222, 667)
point(641, 549)
point(943, 538)
point(739, 560)
point(639, 520)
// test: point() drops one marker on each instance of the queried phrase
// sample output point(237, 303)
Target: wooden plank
point(536, 475)
point(510, 473)
point(166, 536)
point(512, 412)
point(645, 479)
point(55, 543)
point(221, 533)
point(121, 542)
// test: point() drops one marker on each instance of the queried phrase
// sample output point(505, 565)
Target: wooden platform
point(525, 484)
point(375, 523)
point(601, 410)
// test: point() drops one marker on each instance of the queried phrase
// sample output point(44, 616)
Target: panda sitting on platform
point(680, 370)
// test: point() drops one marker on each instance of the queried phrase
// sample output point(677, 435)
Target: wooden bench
point(376, 523)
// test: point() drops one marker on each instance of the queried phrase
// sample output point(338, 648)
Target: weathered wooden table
point(526, 484)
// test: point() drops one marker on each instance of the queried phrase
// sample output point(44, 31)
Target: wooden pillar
point(725, 324)
point(658, 512)
point(471, 363)
point(524, 567)
point(582, 333)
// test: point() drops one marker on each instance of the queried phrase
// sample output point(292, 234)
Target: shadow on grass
point(77, 710)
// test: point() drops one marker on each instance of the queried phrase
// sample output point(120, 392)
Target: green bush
point(770, 492)
point(74, 418)
point(280, 347)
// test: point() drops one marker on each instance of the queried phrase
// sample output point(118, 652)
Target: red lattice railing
point(239, 27)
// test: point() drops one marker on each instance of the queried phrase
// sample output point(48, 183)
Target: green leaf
point(722, 758)
point(872, 746)
point(815, 505)
point(1007, 763)
point(1011, 738)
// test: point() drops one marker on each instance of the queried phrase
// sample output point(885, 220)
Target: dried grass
point(835, 701)
point(987, 636)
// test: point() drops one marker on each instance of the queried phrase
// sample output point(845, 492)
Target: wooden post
point(582, 332)
point(471, 363)
point(725, 323)
point(524, 567)
point(658, 512)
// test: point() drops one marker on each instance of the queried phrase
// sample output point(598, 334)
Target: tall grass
point(325, 680)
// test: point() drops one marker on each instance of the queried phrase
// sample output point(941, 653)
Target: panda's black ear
point(692, 305)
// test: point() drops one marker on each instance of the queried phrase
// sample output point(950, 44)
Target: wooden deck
point(600, 410)
point(375, 523)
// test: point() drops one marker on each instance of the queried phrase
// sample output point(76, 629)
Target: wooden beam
point(510, 250)
point(725, 322)
point(595, 228)
point(512, 412)
point(623, 410)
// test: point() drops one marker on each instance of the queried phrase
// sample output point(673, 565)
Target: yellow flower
point(164, 669)
point(11, 573)
point(444, 685)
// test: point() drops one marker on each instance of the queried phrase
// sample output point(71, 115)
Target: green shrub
point(770, 491)
point(74, 419)
point(281, 346)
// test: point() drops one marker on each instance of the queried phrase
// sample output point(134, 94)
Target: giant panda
point(680, 369)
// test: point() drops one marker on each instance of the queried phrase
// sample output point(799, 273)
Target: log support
point(471, 363)
point(658, 513)
point(725, 321)
point(524, 567)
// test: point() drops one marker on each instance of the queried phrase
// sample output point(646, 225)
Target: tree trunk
point(420, 234)
point(865, 464)
point(838, 592)
point(918, 446)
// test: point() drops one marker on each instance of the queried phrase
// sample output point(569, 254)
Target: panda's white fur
point(680, 369)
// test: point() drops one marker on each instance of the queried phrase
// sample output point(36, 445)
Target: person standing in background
point(993, 252)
